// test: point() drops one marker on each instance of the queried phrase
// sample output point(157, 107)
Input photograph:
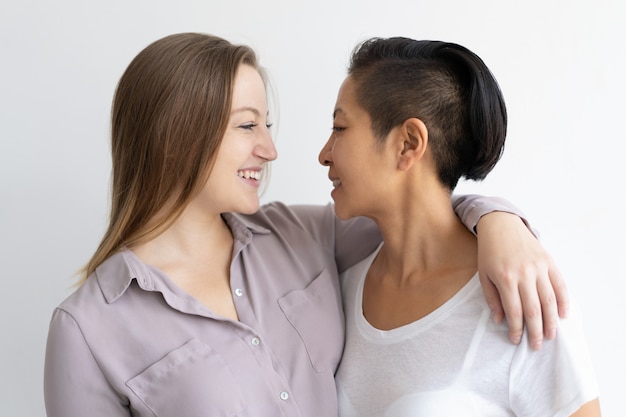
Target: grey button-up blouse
point(129, 342)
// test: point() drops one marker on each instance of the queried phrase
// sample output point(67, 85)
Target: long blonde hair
point(169, 114)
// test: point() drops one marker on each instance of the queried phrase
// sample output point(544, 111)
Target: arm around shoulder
point(520, 280)
point(472, 207)
point(351, 240)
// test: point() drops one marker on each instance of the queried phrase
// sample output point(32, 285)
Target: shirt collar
point(243, 225)
point(117, 272)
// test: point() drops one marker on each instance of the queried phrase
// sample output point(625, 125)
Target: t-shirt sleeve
point(558, 379)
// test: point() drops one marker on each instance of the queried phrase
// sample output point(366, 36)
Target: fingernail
point(551, 334)
point(497, 318)
point(537, 345)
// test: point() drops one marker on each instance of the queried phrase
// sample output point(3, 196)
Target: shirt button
point(238, 292)
point(255, 341)
point(284, 395)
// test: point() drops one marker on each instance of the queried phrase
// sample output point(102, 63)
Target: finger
point(559, 287)
point(532, 315)
point(509, 303)
point(493, 298)
point(549, 308)
point(514, 318)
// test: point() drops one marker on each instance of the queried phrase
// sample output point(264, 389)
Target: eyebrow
point(248, 108)
point(337, 110)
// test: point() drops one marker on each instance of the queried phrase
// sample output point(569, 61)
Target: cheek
point(346, 154)
point(232, 155)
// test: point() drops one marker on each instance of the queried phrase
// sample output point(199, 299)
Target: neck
point(425, 240)
point(427, 257)
point(195, 253)
point(188, 238)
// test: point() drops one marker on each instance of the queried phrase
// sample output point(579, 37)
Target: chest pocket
point(191, 381)
point(317, 315)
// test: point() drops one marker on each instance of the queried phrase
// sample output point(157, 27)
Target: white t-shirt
point(457, 362)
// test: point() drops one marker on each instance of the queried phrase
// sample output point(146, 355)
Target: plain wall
point(560, 65)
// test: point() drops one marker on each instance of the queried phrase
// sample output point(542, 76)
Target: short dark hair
point(443, 84)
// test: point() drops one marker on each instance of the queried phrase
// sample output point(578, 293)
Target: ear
point(414, 138)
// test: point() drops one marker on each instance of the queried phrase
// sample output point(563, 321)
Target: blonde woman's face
point(247, 146)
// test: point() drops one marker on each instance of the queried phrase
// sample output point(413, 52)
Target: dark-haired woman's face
point(358, 168)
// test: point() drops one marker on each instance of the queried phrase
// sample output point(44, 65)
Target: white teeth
point(255, 175)
point(336, 183)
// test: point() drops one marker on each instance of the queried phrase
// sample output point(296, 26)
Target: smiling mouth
point(336, 183)
point(249, 174)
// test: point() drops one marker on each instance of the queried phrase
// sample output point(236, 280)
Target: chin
point(249, 208)
point(342, 214)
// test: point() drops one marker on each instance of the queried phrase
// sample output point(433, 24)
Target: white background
point(561, 66)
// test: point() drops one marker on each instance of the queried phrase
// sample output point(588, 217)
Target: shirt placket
point(250, 332)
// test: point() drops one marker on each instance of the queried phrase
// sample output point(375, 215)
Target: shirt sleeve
point(471, 207)
point(352, 240)
point(349, 241)
point(356, 238)
point(74, 385)
point(558, 379)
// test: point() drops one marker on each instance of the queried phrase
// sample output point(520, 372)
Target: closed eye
point(251, 126)
point(248, 126)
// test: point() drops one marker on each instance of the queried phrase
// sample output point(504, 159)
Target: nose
point(325, 156)
point(266, 149)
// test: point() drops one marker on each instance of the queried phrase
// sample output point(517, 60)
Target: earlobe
point(414, 136)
